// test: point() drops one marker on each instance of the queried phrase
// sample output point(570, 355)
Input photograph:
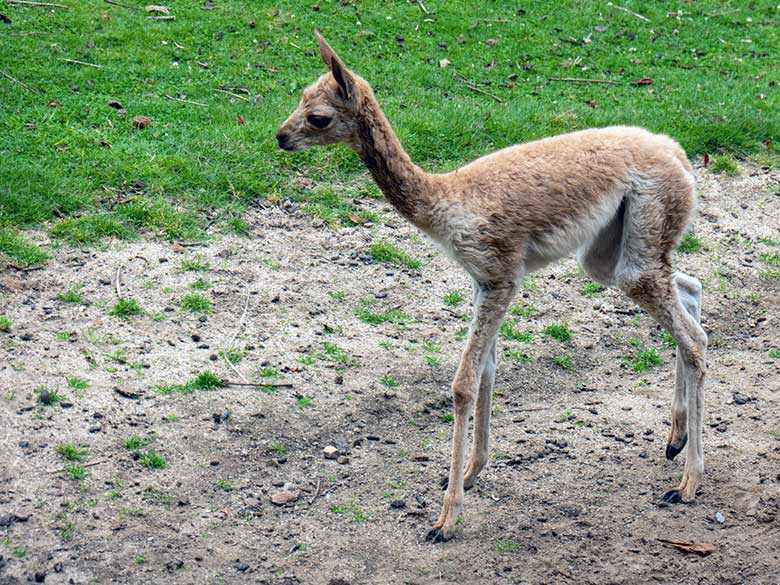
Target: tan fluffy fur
point(619, 197)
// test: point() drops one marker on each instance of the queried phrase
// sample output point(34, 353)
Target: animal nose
point(282, 138)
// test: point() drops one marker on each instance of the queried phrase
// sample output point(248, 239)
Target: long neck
point(404, 184)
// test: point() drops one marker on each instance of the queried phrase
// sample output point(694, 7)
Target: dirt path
point(577, 467)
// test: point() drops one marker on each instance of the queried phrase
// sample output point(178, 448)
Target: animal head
point(328, 108)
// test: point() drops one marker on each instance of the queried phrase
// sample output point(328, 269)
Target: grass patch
point(195, 264)
point(524, 310)
point(517, 356)
point(365, 314)
point(126, 308)
point(70, 452)
point(333, 206)
point(153, 460)
point(71, 296)
point(77, 383)
point(644, 359)
point(6, 323)
point(304, 402)
point(234, 356)
point(195, 303)
point(54, 397)
point(453, 298)
point(90, 229)
point(389, 253)
point(724, 164)
point(558, 331)
point(76, 471)
point(388, 381)
point(591, 289)
point(510, 330)
point(206, 380)
point(771, 259)
point(774, 353)
point(770, 275)
point(507, 546)
point(690, 244)
point(19, 248)
point(564, 361)
point(135, 443)
point(200, 284)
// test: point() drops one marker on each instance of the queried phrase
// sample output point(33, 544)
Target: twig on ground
point(235, 95)
point(176, 99)
point(85, 465)
point(75, 62)
point(502, 20)
point(422, 6)
point(26, 3)
point(27, 34)
point(260, 384)
point(118, 271)
point(24, 85)
point(317, 491)
point(171, 17)
point(579, 80)
point(631, 12)
point(235, 369)
point(122, 5)
point(473, 87)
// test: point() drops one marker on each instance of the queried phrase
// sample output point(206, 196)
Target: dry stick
point(24, 85)
point(75, 62)
point(232, 367)
point(86, 465)
point(473, 87)
point(422, 6)
point(161, 17)
point(122, 5)
point(26, 34)
point(26, 3)
point(259, 385)
point(233, 338)
point(317, 492)
point(235, 95)
point(631, 12)
point(578, 80)
point(170, 97)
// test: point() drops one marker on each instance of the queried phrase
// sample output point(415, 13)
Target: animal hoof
point(673, 450)
point(673, 497)
point(435, 535)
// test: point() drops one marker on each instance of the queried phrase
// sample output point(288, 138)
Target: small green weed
point(432, 361)
point(153, 460)
point(267, 372)
point(447, 417)
point(591, 289)
point(377, 318)
point(453, 298)
point(335, 354)
point(278, 448)
point(771, 275)
point(774, 353)
point(338, 295)
point(77, 472)
point(388, 252)
point(667, 340)
point(644, 359)
point(558, 331)
point(195, 303)
point(206, 380)
point(69, 452)
point(200, 284)
point(509, 330)
point(72, 296)
point(566, 415)
point(389, 381)
point(77, 383)
point(223, 485)
point(771, 259)
point(6, 323)
point(769, 241)
point(54, 396)
point(517, 356)
point(690, 244)
point(564, 361)
point(507, 546)
point(196, 264)
point(126, 308)
point(135, 443)
point(525, 310)
point(722, 163)
point(234, 356)
point(304, 402)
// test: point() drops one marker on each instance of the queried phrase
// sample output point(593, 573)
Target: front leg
point(489, 313)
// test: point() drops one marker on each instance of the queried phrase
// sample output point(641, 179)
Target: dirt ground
point(572, 491)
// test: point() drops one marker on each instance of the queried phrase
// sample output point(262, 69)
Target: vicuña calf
point(619, 197)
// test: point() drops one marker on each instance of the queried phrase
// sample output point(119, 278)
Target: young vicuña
point(619, 197)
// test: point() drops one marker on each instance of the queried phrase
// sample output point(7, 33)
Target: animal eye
point(318, 121)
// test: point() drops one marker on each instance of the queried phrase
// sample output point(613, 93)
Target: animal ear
point(340, 73)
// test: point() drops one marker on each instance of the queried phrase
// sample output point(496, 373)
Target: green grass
point(153, 460)
point(77, 383)
point(774, 353)
point(126, 308)
point(377, 318)
point(304, 402)
point(195, 303)
point(770, 275)
point(524, 310)
point(389, 253)
point(564, 361)
point(509, 330)
point(76, 471)
point(724, 164)
point(507, 546)
point(54, 396)
point(233, 355)
point(205, 380)
point(195, 264)
point(6, 323)
point(71, 296)
point(18, 248)
point(690, 244)
point(453, 298)
point(388, 381)
point(558, 331)
point(193, 161)
point(591, 289)
point(517, 356)
point(200, 284)
point(70, 452)
point(644, 359)
point(135, 443)
point(771, 259)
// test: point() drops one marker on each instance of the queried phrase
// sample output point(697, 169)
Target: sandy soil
point(577, 463)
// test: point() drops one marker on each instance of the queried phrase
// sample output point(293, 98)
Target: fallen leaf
point(142, 122)
point(490, 42)
point(240, 120)
point(700, 548)
point(592, 103)
point(315, 7)
point(54, 104)
point(156, 8)
point(643, 81)
point(444, 63)
point(128, 392)
point(105, 143)
point(706, 161)
point(115, 104)
point(356, 219)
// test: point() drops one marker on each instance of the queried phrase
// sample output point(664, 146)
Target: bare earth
point(571, 494)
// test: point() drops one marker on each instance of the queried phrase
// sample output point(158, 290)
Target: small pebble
point(330, 452)
point(720, 518)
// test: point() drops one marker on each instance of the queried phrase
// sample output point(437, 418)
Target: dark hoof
point(673, 497)
point(673, 450)
point(435, 535)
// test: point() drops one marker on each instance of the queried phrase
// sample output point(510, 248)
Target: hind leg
point(658, 292)
point(689, 292)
